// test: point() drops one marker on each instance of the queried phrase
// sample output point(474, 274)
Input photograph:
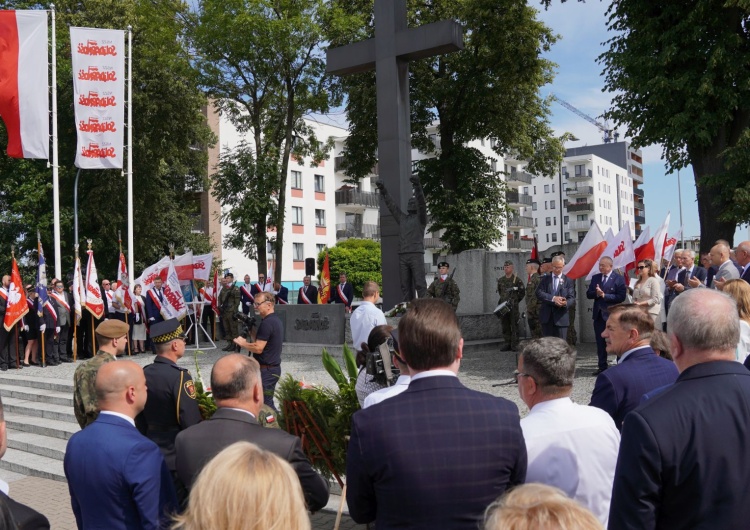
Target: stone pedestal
point(313, 324)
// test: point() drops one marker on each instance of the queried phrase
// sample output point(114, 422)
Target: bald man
point(725, 269)
point(117, 477)
point(238, 392)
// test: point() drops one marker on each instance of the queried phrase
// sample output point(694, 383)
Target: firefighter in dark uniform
point(171, 405)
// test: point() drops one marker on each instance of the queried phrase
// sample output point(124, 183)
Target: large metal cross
point(389, 54)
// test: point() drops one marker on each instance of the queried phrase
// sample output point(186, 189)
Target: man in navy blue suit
point(639, 370)
point(436, 455)
point(742, 254)
point(606, 289)
point(692, 275)
point(683, 460)
point(154, 301)
point(556, 294)
point(117, 477)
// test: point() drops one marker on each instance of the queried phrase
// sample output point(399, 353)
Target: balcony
point(580, 207)
point(516, 222)
point(580, 191)
point(520, 244)
point(586, 175)
point(639, 219)
point(347, 231)
point(514, 198)
point(579, 225)
point(638, 192)
point(638, 205)
point(518, 178)
point(433, 242)
point(352, 197)
point(339, 161)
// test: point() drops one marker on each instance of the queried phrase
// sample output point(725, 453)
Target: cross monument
point(389, 53)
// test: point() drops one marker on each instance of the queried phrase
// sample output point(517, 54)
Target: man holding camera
point(229, 302)
point(267, 346)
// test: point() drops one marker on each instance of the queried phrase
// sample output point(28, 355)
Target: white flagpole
point(131, 252)
point(55, 177)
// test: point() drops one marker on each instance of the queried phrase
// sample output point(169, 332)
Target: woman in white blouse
point(646, 291)
point(740, 291)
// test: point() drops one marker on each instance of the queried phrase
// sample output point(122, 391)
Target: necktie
point(556, 283)
point(604, 282)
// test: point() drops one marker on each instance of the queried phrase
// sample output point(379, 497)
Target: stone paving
point(480, 370)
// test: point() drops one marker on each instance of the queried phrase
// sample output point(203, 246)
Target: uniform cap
point(166, 331)
point(508, 262)
point(558, 253)
point(112, 329)
point(547, 260)
point(229, 275)
point(443, 264)
point(532, 260)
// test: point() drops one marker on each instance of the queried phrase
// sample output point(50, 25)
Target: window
point(493, 165)
point(533, 206)
point(546, 188)
point(297, 180)
point(567, 236)
point(298, 251)
point(545, 204)
point(554, 221)
point(580, 170)
point(554, 237)
point(320, 217)
point(536, 221)
point(553, 188)
point(320, 183)
point(551, 205)
point(565, 219)
point(548, 221)
point(526, 190)
point(534, 190)
point(297, 215)
point(547, 238)
point(493, 142)
point(482, 141)
point(319, 248)
point(582, 217)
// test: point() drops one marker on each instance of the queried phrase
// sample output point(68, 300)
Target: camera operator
point(404, 375)
point(267, 346)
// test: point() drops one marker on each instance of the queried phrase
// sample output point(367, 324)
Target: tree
point(261, 62)
point(680, 74)
point(167, 121)
point(488, 90)
point(358, 258)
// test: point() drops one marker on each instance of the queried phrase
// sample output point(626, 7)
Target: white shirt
point(363, 320)
point(433, 373)
point(574, 448)
point(123, 416)
point(631, 350)
point(743, 346)
point(402, 383)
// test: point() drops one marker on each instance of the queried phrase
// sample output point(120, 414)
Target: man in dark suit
point(237, 389)
point(280, 293)
point(343, 293)
point(26, 518)
point(308, 294)
point(117, 477)
point(556, 294)
point(639, 370)
point(154, 301)
point(436, 455)
point(683, 459)
point(692, 275)
point(742, 254)
point(606, 289)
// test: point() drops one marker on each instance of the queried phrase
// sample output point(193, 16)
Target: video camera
point(248, 323)
point(379, 364)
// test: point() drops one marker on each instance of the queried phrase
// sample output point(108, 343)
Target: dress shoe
point(26, 365)
point(66, 360)
point(34, 363)
point(598, 371)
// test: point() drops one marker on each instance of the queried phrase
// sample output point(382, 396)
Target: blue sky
point(579, 81)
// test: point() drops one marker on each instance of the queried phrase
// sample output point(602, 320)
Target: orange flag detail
point(17, 306)
point(324, 293)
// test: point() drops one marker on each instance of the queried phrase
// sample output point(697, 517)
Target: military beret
point(508, 262)
point(112, 329)
point(166, 331)
point(229, 275)
point(546, 260)
point(443, 264)
point(532, 260)
point(558, 253)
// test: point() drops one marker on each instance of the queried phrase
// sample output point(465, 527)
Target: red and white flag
point(183, 265)
point(98, 58)
point(621, 251)
point(587, 254)
point(122, 294)
point(644, 246)
point(93, 298)
point(216, 291)
point(24, 78)
point(659, 238)
point(79, 290)
point(202, 266)
point(174, 305)
point(609, 238)
point(17, 306)
point(670, 245)
point(146, 279)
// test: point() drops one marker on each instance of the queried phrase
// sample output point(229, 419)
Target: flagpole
point(119, 240)
point(55, 176)
point(131, 267)
point(38, 253)
point(93, 338)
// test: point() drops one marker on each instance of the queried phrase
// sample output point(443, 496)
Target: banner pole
point(131, 250)
point(55, 176)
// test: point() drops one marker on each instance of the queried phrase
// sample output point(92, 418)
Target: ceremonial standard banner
point(99, 96)
point(24, 79)
point(17, 306)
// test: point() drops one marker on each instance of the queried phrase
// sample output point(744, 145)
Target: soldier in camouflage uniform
point(444, 287)
point(229, 302)
point(112, 336)
point(532, 304)
point(572, 336)
point(510, 288)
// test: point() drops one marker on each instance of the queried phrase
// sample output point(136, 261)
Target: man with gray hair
point(556, 294)
point(691, 275)
point(683, 459)
point(742, 253)
point(572, 447)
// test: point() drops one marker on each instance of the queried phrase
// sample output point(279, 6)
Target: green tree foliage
point(167, 121)
point(358, 258)
point(680, 74)
point(488, 90)
point(261, 62)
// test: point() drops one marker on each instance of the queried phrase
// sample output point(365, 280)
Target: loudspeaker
point(310, 267)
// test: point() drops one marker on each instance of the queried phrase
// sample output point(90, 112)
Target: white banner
point(99, 96)
point(146, 280)
point(202, 266)
point(174, 302)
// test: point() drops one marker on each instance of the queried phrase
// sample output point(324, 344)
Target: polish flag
point(122, 293)
point(670, 245)
point(17, 306)
point(659, 239)
point(24, 101)
point(79, 290)
point(183, 265)
point(93, 300)
point(621, 250)
point(644, 246)
point(215, 293)
point(587, 254)
point(609, 239)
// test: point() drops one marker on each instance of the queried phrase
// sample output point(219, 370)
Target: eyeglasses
point(518, 374)
point(642, 267)
point(258, 304)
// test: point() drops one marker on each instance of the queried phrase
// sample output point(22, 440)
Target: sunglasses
point(642, 267)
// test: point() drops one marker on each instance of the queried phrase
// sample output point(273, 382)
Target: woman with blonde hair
point(245, 488)
point(646, 291)
point(739, 290)
point(538, 506)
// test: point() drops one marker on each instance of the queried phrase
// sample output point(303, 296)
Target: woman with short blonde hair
point(245, 488)
point(538, 507)
point(739, 290)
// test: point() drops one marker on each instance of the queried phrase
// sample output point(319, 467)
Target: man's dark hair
point(634, 316)
point(241, 381)
point(429, 334)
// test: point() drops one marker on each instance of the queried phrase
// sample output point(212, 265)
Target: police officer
point(572, 336)
point(532, 304)
point(229, 301)
point(171, 405)
point(511, 290)
point(445, 287)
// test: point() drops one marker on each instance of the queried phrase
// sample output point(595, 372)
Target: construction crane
point(608, 135)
